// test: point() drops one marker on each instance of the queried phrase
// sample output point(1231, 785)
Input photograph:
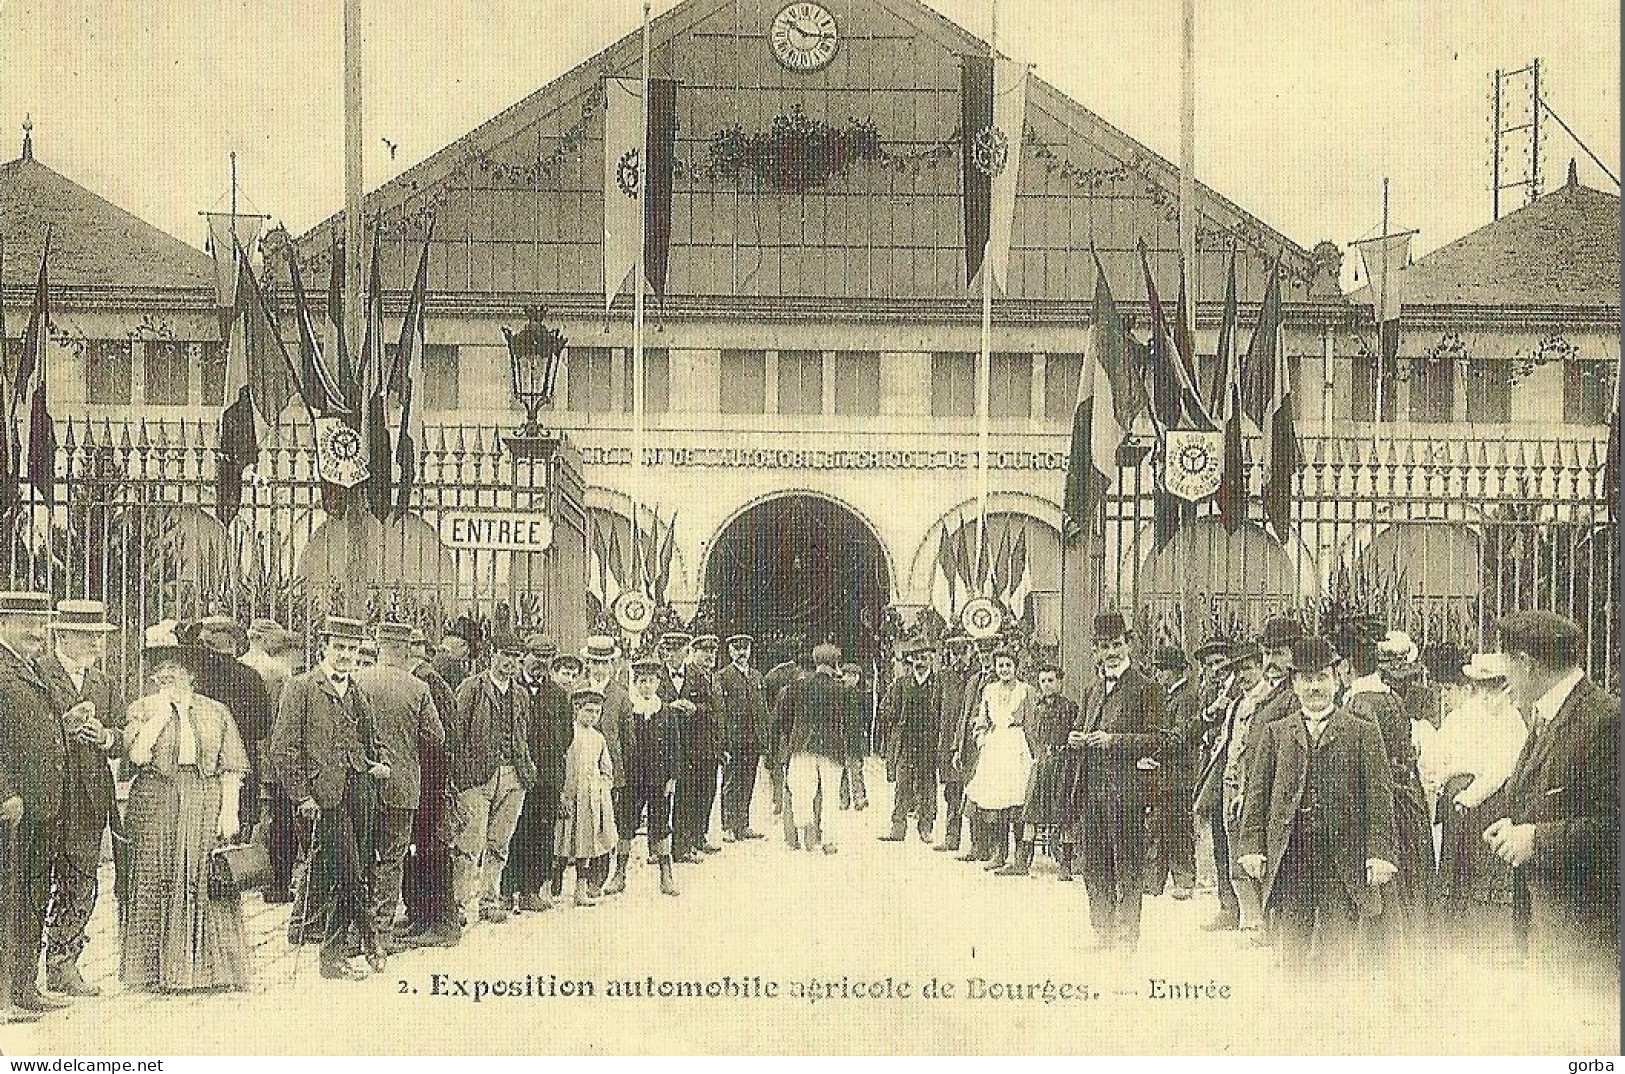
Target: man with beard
point(694, 694)
point(403, 715)
point(220, 676)
point(911, 714)
point(548, 680)
point(431, 917)
point(744, 732)
point(1119, 726)
point(1172, 842)
point(1244, 669)
point(1317, 822)
point(79, 636)
point(600, 655)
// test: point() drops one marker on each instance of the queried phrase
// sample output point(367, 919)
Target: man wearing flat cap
point(1317, 826)
point(1119, 726)
point(325, 751)
point(404, 715)
point(1561, 829)
point(33, 764)
point(1171, 846)
point(745, 732)
point(79, 634)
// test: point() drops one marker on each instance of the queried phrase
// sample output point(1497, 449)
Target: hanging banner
point(1193, 463)
point(339, 458)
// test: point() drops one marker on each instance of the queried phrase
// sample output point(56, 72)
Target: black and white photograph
point(809, 527)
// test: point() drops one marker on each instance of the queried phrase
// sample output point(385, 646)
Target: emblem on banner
point(339, 459)
point(991, 150)
point(981, 618)
point(629, 173)
point(1193, 463)
point(634, 611)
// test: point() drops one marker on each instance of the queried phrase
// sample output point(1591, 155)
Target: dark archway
point(800, 565)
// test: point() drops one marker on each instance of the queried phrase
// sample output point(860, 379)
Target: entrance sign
point(496, 531)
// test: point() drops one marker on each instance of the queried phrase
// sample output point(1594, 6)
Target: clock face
point(803, 36)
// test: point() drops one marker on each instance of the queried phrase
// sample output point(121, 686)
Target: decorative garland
point(796, 154)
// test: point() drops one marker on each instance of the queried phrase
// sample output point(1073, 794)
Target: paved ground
point(873, 914)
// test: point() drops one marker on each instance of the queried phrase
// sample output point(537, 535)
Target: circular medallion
point(633, 611)
point(1195, 458)
point(629, 173)
point(342, 443)
point(991, 150)
point(981, 618)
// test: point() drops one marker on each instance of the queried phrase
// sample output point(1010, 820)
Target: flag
point(998, 574)
point(993, 122)
point(1384, 259)
point(1267, 394)
point(962, 555)
point(375, 444)
point(1175, 401)
point(316, 381)
point(1185, 333)
point(637, 178)
point(10, 494)
point(1097, 430)
point(950, 574)
point(260, 382)
point(336, 349)
point(229, 233)
point(1021, 583)
point(408, 377)
point(35, 434)
point(1226, 406)
point(663, 571)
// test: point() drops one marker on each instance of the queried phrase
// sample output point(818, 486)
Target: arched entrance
point(800, 565)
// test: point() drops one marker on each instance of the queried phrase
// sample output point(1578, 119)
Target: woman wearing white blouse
point(189, 761)
point(1005, 760)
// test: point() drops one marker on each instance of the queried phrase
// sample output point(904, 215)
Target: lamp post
point(535, 355)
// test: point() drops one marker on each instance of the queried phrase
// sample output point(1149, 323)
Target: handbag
point(236, 869)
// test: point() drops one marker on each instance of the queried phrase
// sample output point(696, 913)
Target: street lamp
point(535, 354)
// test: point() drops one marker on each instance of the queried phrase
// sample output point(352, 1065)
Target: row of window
point(848, 383)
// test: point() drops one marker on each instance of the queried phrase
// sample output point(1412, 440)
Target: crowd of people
point(404, 794)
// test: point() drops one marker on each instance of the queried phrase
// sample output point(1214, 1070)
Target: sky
point(1304, 106)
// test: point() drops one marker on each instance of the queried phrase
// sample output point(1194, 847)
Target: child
point(586, 825)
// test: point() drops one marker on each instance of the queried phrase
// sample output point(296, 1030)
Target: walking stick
point(304, 898)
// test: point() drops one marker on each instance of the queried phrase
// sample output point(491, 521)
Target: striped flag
point(36, 433)
point(1267, 395)
point(321, 390)
point(336, 349)
point(260, 383)
point(375, 442)
point(1226, 406)
point(637, 178)
point(1097, 432)
point(407, 381)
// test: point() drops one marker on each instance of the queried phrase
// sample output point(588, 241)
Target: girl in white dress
point(1006, 760)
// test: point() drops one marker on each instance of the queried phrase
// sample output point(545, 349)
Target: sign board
point(981, 618)
point(1195, 463)
point(339, 458)
point(496, 531)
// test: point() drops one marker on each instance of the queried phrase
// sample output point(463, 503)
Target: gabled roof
point(94, 243)
point(517, 202)
point(1562, 249)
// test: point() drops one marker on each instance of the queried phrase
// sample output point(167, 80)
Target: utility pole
point(357, 580)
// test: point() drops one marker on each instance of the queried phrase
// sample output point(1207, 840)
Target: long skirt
point(1002, 770)
point(179, 938)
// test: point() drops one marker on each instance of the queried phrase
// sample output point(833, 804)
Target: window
point(1489, 394)
point(1010, 386)
point(1588, 392)
point(953, 385)
point(1433, 389)
point(211, 359)
point(587, 371)
point(1364, 392)
point(1061, 374)
point(165, 371)
point(108, 372)
point(857, 383)
point(440, 386)
point(743, 387)
point(656, 381)
point(801, 382)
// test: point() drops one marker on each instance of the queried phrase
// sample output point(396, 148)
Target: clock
point(803, 36)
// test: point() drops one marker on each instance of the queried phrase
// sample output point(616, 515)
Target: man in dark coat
point(548, 679)
point(326, 754)
point(1561, 831)
point(695, 694)
point(1317, 827)
point(220, 676)
point(1240, 672)
point(816, 709)
point(426, 890)
point(953, 667)
point(745, 732)
point(653, 756)
point(1171, 848)
point(790, 669)
point(79, 633)
point(911, 718)
point(1120, 728)
point(1053, 717)
point(33, 762)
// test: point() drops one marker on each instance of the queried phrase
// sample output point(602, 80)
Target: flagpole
point(639, 432)
point(1187, 154)
point(985, 364)
point(357, 562)
point(1382, 307)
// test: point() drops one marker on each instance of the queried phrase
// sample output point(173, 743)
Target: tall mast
point(639, 433)
point(984, 368)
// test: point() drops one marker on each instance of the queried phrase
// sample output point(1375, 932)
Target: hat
point(1109, 626)
point(958, 638)
point(1312, 654)
point(912, 647)
point(740, 639)
point(1397, 645)
point(506, 641)
point(541, 644)
point(1217, 645)
point(1551, 637)
point(586, 695)
point(393, 633)
point(1280, 632)
point(645, 666)
point(1170, 658)
point(600, 647)
point(1484, 666)
point(87, 616)
point(218, 622)
point(1244, 651)
point(1052, 667)
point(340, 626)
point(825, 654)
point(1008, 652)
point(707, 641)
point(851, 669)
point(567, 660)
point(161, 637)
point(264, 627)
point(14, 602)
point(675, 639)
point(418, 637)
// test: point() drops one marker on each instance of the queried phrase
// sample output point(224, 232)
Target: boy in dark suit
point(1317, 822)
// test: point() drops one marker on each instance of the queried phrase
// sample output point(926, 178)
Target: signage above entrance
point(496, 531)
point(819, 459)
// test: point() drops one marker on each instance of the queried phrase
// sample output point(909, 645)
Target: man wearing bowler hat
point(426, 890)
point(326, 754)
point(1119, 727)
point(221, 677)
point(745, 732)
point(1171, 848)
point(549, 680)
point(79, 643)
point(33, 763)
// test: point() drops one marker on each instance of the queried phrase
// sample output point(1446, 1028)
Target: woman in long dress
point(586, 827)
point(1005, 759)
point(189, 764)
